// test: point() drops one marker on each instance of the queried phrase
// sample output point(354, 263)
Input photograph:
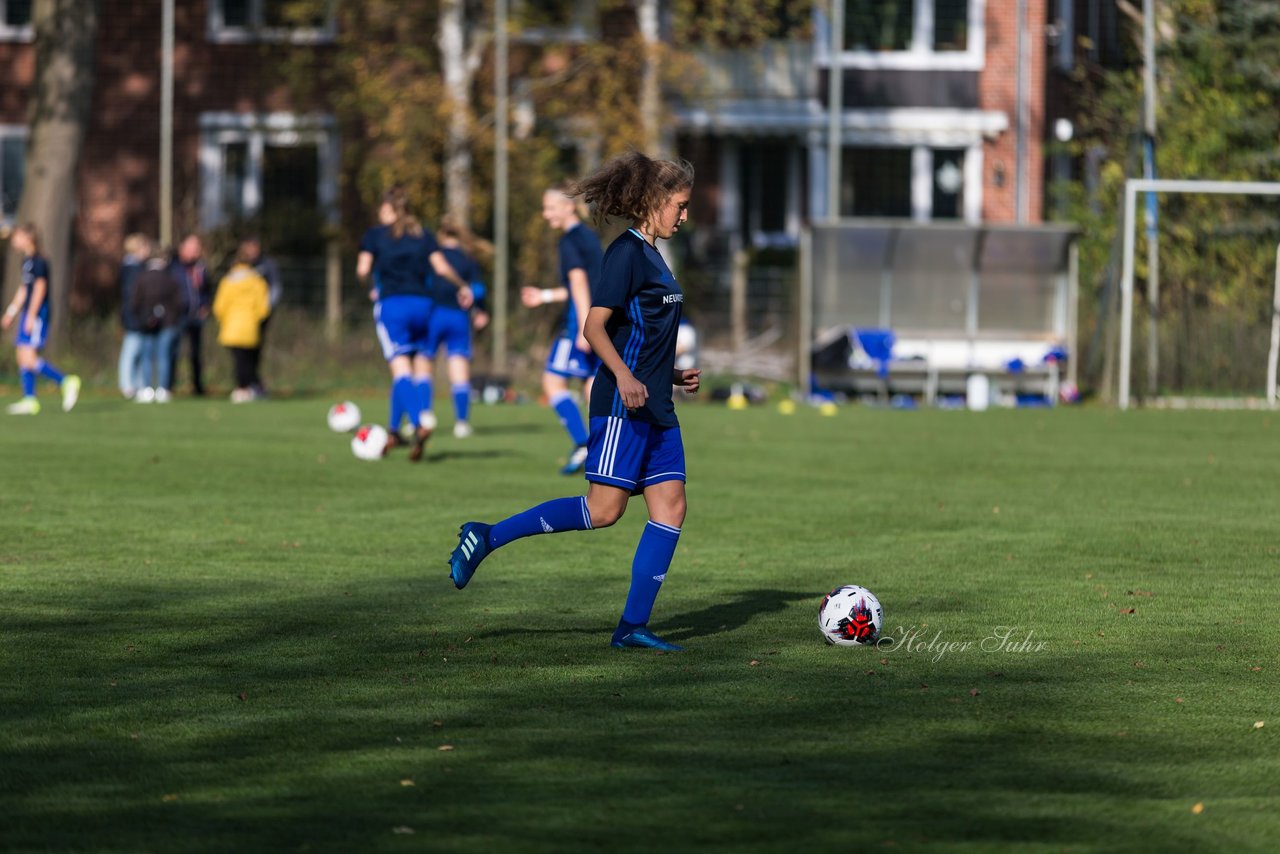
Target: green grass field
point(222, 632)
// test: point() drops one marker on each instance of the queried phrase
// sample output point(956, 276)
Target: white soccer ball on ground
point(369, 442)
point(344, 417)
point(850, 616)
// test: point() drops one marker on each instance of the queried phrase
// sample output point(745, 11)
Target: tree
point(65, 31)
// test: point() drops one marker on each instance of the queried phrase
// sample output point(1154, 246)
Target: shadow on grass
point(224, 716)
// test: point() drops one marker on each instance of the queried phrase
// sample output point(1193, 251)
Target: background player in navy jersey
point(395, 260)
point(635, 443)
point(570, 356)
point(450, 324)
point(30, 309)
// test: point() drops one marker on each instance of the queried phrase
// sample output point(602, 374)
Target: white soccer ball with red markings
point(344, 417)
point(369, 442)
point(851, 616)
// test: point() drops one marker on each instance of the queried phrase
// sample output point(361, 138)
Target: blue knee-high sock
point(648, 570)
point(570, 417)
point(48, 371)
point(461, 400)
point(558, 514)
point(28, 382)
point(423, 393)
point(402, 402)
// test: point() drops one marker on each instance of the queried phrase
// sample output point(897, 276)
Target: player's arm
point(630, 389)
point(687, 379)
point(364, 270)
point(14, 307)
point(443, 268)
point(580, 292)
point(39, 290)
point(534, 297)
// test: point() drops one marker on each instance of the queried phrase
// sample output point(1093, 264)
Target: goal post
point(1132, 187)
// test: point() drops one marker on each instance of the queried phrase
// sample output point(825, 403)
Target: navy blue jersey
point(400, 267)
point(646, 300)
point(35, 267)
point(442, 290)
point(579, 250)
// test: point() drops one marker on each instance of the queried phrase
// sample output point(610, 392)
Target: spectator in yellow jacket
point(240, 306)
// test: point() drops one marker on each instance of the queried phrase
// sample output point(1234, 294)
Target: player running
point(571, 356)
point(30, 307)
point(451, 323)
point(394, 261)
point(635, 445)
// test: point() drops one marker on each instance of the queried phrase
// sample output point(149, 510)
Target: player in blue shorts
point(635, 445)
point(450, 325)
point(30, 309)
point(570, 356)
point(395, 259)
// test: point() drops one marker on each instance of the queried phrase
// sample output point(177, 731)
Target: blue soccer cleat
point(577, 460)
point(642, 638)
point(473, 546)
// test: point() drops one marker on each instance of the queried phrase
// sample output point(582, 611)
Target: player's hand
point(582, 344)
point(480, 320)
point(689, 380)
point(531, 297)
point(466, 298)
point(632, 391)
point(6, 320)
point(28, 324)
point(373, 294)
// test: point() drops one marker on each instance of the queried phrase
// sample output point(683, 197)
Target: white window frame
point(8, 33)
point(920, 56)
point(256, 31)
point(257, 130)
point(11, 132)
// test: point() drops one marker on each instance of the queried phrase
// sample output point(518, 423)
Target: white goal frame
point(1132, 187)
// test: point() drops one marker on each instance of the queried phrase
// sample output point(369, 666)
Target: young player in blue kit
point(571, 356)
point(30, 310)
point(395, 260)
point(635, 446)
point(450, 324)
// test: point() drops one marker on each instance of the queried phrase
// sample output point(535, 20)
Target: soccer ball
point(344, 417)
point(369, 442)
point(850, 616)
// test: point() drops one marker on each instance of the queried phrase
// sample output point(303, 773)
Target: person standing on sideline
point(137, 249)
point(265, 266)
point(396, 257)
point(571, 356)
point(159, 302)
point(450, 324)
point(242, 303)
point(189, 270)
point(635, 445)
point(30, 308)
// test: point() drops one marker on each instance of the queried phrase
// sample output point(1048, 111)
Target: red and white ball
point(344, 417)
point(369, 442)
point(851, 616)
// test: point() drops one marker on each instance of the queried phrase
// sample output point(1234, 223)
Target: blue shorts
point(403, 325)
point(452, 328)
point(633, 454)
point(39, 332)
point(566, 360)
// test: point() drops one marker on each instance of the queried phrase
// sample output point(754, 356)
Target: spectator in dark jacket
point(137, 248)
point(189, 271)
point(160, 304)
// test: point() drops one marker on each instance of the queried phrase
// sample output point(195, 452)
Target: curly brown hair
point(633, 187)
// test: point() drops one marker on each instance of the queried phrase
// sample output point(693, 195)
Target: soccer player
point(635, 445)
point(450, 324)
point(571, 356)
point(394, 261)
point(30, 307)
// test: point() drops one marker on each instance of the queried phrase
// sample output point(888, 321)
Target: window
point(918, 182)
point(15, 20)
point(276, 172)
point(948, 184)
point(13, 163)
point(298, 21)
point(876, 182)
point(941, 35)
